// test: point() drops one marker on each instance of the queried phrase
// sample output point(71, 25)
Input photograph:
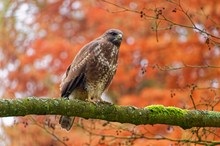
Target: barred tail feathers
point(66, 122)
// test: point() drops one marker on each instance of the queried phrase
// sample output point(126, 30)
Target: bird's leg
point(98, 100)
point(105, 102)
point(92, 99)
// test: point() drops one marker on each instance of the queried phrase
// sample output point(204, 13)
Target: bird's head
point(114, 36)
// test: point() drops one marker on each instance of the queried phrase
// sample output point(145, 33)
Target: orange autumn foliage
point(160, 62)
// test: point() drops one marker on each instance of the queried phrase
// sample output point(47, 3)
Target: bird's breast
point(101, 67)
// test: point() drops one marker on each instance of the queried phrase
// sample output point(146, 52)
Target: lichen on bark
point(154, 114)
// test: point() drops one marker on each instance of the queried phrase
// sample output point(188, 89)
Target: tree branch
point(154, 114)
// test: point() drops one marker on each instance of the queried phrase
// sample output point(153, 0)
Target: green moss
point(176, 110)
point(160, 109)
point(155, 108)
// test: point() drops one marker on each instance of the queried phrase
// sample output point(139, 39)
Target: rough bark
point(154, 114)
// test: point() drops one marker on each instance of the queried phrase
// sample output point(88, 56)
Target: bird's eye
point(113, 33)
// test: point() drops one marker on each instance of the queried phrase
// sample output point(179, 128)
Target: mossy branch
point(154, 114)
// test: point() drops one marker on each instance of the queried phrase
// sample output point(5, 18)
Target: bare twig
point(171, 68)
point(191, 95)
point(135, 136)
point(145, 16)
point(47, 131)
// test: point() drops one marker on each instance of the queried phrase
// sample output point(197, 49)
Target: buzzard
point(91, 71)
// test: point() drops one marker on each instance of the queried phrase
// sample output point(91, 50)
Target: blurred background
point(170, 55)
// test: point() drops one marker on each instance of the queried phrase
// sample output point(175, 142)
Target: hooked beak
point(119, 37)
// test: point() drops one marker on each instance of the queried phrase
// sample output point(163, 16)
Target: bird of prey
point(91, 71)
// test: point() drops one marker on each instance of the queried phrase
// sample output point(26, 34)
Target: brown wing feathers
point(71, 85)
point(75, 76)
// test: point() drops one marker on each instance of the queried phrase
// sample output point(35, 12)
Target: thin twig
point(47, 131)
point(138, 136)
point(164, 18)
